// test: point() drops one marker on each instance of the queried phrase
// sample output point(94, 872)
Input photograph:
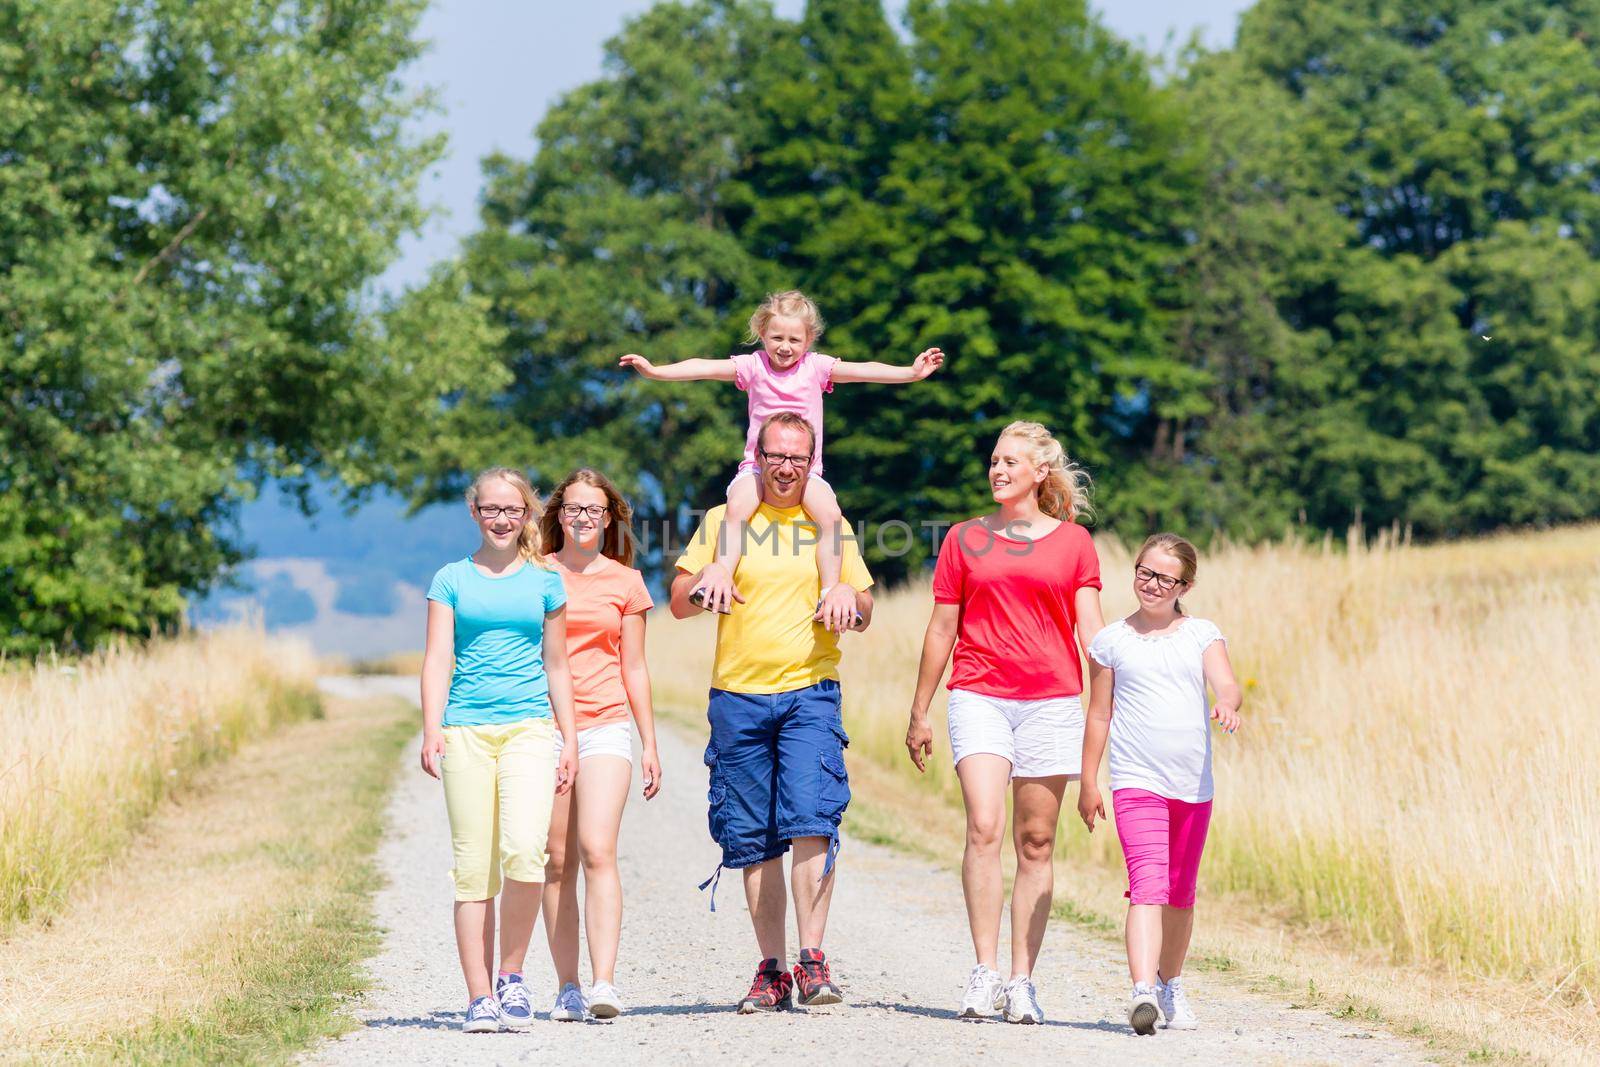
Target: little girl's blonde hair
point(1064, 492)
point(792, 304)
point(529, 544)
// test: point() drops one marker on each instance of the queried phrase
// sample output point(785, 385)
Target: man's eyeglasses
point(494, 511)
point(1165, 581)
point(780, 459)
point(590, 511)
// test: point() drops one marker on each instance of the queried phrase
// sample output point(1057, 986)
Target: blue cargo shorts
point(776, 769)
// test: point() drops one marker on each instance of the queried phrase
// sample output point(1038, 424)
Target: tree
point(192, 197)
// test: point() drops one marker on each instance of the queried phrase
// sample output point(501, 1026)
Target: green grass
point(305, 954)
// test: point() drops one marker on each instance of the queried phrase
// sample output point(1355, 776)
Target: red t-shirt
point(1017, 612)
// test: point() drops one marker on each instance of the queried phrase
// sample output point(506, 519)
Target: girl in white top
point(1158, 662)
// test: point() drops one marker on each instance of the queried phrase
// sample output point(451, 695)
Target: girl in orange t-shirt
point(587, 530)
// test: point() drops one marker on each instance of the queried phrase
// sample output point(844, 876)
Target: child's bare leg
point(822, 507)
point(744, 496)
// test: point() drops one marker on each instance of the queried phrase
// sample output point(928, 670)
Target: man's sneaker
point(986, 994)
point(569, 1006)
point(1022, 1002)
point(772, 990)
point(483, 1017)
point(1175, 1006)
point(516, 1012)
point(812, 980)
point(1143, 1010)
point(604, 1003)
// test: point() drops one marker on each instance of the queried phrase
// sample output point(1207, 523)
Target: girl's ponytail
point(1064, 493)
point(529, 544)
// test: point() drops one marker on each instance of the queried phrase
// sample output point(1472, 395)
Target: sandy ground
point(897, 940)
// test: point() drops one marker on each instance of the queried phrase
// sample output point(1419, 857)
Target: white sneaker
point(986, 994)
point(604, 1001)
point(1143, 1010)
point(569, 1006)
point(1022, 1002)
point(1175, 1006)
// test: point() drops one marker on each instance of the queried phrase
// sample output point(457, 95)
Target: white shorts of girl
point(1041, 737)
point(607, 739)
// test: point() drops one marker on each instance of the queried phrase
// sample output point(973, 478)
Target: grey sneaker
point(1175, 1006)
point(516, 1011)
point(1022, 1002)
point(986, 994)
point(569, 1006)
point(483, 1017)
point(1143, 1010)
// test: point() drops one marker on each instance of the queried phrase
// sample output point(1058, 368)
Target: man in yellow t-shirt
point(776, 755)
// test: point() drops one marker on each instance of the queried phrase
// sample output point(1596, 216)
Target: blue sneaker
point(516, 1011)
point(483, 1017)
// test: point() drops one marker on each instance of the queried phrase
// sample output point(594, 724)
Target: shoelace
point(768, 985)
point(1177, 998)
point(571, 999)
point(977, 982)
point(514, 995)
point(1025, 987)
point(483, 1008)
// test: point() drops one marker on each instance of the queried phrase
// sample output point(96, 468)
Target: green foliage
point(192, 196)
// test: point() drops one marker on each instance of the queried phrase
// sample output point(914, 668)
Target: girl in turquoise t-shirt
point(494, 671)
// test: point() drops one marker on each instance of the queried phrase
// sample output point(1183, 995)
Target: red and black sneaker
point(773, 990)
point(812, 979)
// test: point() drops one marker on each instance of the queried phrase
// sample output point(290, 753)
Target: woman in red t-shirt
point(1011, 590)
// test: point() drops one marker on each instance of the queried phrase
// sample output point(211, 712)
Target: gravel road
point(897, 939)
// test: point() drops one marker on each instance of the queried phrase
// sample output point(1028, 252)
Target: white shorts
point(1041, 737)
point(607, 739)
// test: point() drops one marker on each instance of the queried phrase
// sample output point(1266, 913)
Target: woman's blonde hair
point(1064, 492)
point(529, 545)
point(1180, 549)
point(617, 540)
point(791, 303)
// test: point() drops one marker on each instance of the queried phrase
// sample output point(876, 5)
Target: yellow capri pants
point(499, 787)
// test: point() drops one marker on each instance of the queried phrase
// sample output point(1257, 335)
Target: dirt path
point(897, 938)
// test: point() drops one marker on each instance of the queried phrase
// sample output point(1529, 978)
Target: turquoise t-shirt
point(499, 675)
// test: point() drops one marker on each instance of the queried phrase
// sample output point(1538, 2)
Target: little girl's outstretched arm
point(688, 370)
point(926, 363)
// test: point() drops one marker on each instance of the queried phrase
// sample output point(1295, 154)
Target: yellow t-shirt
point(769, 643)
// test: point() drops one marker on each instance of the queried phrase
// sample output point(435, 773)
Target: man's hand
point(837, 611)
point(927, 361)
point(716, 585)
point(639, 364)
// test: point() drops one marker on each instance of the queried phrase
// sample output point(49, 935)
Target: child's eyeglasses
point(494, 511)
point(1165, 581)
point(591, 511)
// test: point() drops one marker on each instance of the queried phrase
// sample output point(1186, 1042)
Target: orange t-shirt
point(596, 603)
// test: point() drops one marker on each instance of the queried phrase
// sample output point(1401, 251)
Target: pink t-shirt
point(1018, 613)
point(596, 603)
point(798, 389)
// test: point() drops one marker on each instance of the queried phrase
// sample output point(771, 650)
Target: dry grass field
point(94, 745)
point(1415, 782)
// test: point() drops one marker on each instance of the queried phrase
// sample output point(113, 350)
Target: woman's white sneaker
point(1175, 1006)
point(1022, 1002)
point(604, 1002)
point(569, 1006)
point(986, 994)
point(1143, 1010)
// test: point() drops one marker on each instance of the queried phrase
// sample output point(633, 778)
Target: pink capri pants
point(1161, 842)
